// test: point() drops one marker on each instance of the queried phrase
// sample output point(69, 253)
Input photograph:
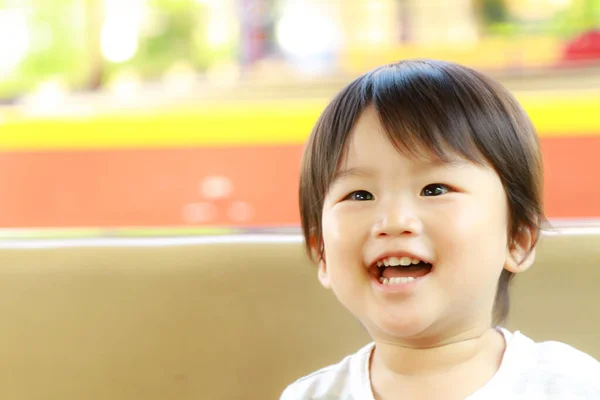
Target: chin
point(401, 327)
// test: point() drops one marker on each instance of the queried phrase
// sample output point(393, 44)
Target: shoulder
point(566, 360)
point(558, 366)
point(561, 358)
point(338, 381)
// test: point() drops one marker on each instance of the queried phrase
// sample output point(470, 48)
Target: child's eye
point(435, 189)
point(360, 195)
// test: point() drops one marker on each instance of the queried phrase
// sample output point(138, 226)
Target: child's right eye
point(360, 195)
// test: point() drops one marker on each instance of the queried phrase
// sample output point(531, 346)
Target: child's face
point(390, 204)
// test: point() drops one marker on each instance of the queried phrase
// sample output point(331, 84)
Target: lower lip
point(400, 287)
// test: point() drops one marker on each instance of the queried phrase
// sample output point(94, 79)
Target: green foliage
point(494, 11)
point(583, 16)
point(57, 48)
point(63, 41)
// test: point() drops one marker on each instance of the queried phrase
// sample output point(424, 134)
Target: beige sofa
point(219, 317)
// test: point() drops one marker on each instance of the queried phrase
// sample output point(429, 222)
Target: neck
point(432, 357)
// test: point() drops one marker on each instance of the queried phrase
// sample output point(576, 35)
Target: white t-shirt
point(529, 370)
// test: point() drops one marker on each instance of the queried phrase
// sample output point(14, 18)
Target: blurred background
point(166, 117)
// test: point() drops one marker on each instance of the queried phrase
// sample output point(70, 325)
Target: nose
point(398, 220)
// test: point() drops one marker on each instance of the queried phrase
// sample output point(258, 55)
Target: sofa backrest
point(231, 317)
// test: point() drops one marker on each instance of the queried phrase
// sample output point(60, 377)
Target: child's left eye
point(434, 189)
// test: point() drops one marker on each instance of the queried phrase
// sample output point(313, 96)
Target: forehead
point(369, 142)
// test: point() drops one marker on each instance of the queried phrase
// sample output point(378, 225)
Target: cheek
point(344, 235)
point(471, 249)
point(344, 224)
point(475, 233)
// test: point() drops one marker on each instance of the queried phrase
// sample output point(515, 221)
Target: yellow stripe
point(218, 125)
point(563, 114)
point(272, 123)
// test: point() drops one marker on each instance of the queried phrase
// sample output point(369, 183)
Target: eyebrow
point(350, 172)
point(452, 162)
point(428, 164)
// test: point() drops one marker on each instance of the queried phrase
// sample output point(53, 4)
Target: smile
point(400, 270)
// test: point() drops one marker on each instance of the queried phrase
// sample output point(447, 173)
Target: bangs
point(424, 112)
point(428, 109)
point(445, 111)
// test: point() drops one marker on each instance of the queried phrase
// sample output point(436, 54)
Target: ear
point(319, 255)
point(520, 253)
point(323, 275)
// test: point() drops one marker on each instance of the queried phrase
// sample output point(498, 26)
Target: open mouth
point(400, 270)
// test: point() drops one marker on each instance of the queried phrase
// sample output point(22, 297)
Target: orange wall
point(160, 187)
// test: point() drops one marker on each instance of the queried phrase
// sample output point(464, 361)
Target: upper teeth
point(395, 261)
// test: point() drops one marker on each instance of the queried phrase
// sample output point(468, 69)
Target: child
point(420, 197)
